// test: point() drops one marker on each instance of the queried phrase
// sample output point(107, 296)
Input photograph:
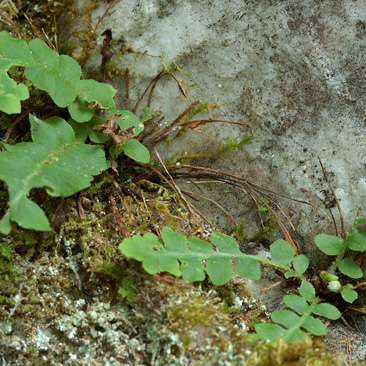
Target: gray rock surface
point(294, 71)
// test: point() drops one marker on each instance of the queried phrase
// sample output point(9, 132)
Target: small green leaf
point(199, 246)
point(289, 274)
point(192, 268)
point(328, 277)
point(11, 94)
point(128, 119)
point(314, 326)
point(296, 303)
point(137, 246)
point(349, 294)
point(269, 331)
point(83, 130)
point(329, 244)
point(247, 268)
point(282, 252)
point(15, 50)
point(136, 151)
point(150, 251)
point(356, 240)
point(350, 268)
point(307, 291)
point(93, 91)
point(301, 263)
point(220, 270)
point(286, 318)
point(80, 112)
point(225, 243)
point(327, 311)
point(193, 257)
point(272, 332)
point(295, 335)
point(147, 116)
point(80, 129)
point(174, 241)
point(52, 73)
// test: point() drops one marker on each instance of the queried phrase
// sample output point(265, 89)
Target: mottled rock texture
point(295, 71)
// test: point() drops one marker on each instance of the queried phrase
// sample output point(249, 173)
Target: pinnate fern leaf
point(191, 258)
point(194, 258)
point(59, 75)
point(54, 160)
point(290, 325)
point(334, 245)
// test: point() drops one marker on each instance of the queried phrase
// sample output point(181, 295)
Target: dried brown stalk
point(127, 83)
point(195, 123)
point(163, 133)
point(152, 83)
point(117, 217)
point(131, 217)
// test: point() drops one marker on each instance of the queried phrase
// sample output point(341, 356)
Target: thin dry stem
point(195, 123)
point(13, 125)
point(127, 83)
point(117, 217)
point(168, 129)
point(190, 209)
point(152, 83)
point(343, 233)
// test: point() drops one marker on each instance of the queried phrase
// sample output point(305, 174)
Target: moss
point(307, 353)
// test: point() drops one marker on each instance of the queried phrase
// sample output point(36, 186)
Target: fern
point(194, 258)
point(336, 246)
point(49, 161)
point(289, 325)
point(57, 75)
point(57, 158)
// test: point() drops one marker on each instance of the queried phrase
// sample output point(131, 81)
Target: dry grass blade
point(38, 35)
point(195, 123)
point(127, 83)
point(106, 51)
point(153, 84)
point(230, 217)
point(264, 289)
point(147, 132)
point(191, 211)
point(240, 179)
point(251, 189)
point(180, 86)
point(162, 134)
point(131, 218)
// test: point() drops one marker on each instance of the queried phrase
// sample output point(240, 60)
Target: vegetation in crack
point(219, 259)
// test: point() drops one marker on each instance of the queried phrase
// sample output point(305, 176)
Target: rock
point(294, 72)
